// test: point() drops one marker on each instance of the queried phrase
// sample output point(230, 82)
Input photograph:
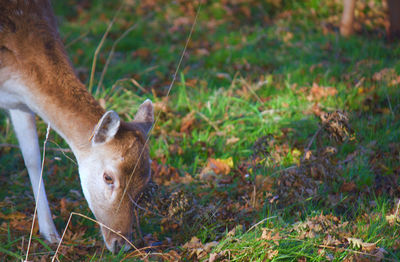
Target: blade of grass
point(8, 252)
point(99, 46)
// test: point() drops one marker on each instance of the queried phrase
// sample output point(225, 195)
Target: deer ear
point(145, 116)
point(106, 128)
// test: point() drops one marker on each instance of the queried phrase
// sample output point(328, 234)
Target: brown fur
point(37, 53)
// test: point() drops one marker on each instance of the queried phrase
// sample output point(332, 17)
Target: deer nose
point(119, 244)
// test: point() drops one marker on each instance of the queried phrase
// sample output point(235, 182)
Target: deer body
point(36, 77)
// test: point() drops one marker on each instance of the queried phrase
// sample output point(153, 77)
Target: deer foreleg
point(346, 25)
point(25, 129)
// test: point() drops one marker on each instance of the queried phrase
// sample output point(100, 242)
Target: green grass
point(246, 84)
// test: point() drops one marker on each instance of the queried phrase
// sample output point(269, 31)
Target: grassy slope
point(245, 78)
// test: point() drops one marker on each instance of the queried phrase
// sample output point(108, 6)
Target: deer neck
point(63, 102)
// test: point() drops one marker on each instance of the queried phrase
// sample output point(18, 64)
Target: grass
point(245, 92)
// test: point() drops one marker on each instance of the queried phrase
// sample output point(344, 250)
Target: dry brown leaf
point(202, 52)
point(210, 245)
point(330, 241)
point(218, 256)
point(220, 166)
point(63, 206)
point(213, 257)
point(356, 242)
point(287, 37)
point(267, 235)
point(193, 243)
point(392, 219)
point(264, 183)
point(23, 225)
point(197, 250)
point(172, 255)
point(187, 179)
point(319, 92)
point(187, 122)
point(272, 253)
point(379, 254)
point(142, 53)
point(232, 140)
point(162, 105)
point(385, 74)
point(175, 149)
point(13, 216)
point(348, 187)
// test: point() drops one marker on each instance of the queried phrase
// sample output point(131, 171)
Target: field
point(278, 141)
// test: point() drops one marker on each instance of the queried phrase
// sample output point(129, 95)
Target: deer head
point(115, 170)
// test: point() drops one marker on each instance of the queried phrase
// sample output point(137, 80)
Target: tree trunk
point(346, 25)
point(394, 18)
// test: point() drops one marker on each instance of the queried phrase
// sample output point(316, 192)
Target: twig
point(338, 248)
point(38, 191)
point(283, 170)
point(139, 230)
point(310, 143)
point(73, 161)
point(147, 255)
point(136, 83)
point(76, 40)
point(99, 223)
point(260, 222)
point(351, 250)
point(397, 209)
point(114, 86)
point(252, 91)
point(390, 104)
point(102, 252)
point(110, 55)
point(208, 121)
point(100, 45)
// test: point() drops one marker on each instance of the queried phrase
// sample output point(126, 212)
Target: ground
point(279, 140)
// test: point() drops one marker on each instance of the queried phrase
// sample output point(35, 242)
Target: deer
point(37, 78)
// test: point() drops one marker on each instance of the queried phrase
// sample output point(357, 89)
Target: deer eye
point(108, 179)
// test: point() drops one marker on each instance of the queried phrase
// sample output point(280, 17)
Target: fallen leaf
point(172, 255)
point(392, 219)
point(197, 250)
point(213, 257)
point(287, 37)
point(142, 53)
point(272, 253)
point(193, 243)
point(356, 242)
point(319, 92)
point(348, 187)
point(232, 140)
point(187, 122)
point(221, 166)
point(379, 254)
point(13, 216)
point(63, 206)
point(264, 183)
